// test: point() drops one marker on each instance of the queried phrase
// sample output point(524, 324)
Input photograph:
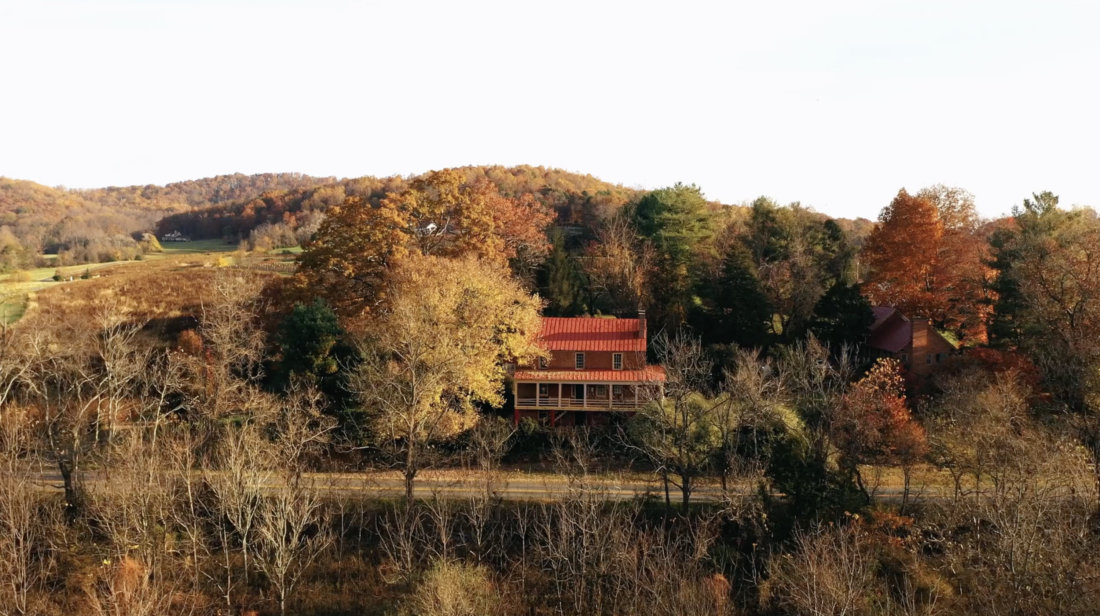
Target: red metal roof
point(649, 375)
point(891, 331)
point(881, 314)
point(591, 334)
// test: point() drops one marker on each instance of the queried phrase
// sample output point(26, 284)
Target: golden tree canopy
point(449, 328)
point(438, 215)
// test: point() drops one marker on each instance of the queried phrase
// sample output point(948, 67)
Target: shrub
point(19, 277)
point(454, 589)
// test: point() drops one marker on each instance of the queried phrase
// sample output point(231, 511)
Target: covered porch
point(555, 400)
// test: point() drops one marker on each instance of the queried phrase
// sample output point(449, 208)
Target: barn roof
point(592, 334)
point(891, 331)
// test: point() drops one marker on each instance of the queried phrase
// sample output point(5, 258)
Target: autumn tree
point(438, 350)
point(619, 267)
point(1048, 290)
point(873, 424)
point(963, 275)
point(439, 214)
point(903, 256)
point(926, 259)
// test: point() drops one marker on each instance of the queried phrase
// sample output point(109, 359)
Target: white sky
point(836, 104)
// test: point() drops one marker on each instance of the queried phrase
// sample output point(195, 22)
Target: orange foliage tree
point(873, 424)
point(438, 215)
point(925, 258)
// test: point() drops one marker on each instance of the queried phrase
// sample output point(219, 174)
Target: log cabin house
point(597, 369)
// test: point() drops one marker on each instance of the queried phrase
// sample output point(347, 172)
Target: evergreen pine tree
point(561, 282)
point(842, 316)
point(740, 311)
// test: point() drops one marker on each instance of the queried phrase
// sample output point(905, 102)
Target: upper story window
point(617, 361)
point(580, 361)
point(928, 359)
point(543, 363)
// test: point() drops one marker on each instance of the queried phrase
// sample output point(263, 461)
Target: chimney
point(641, 323)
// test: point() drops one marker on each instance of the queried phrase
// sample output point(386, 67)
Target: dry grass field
point(163, 285)
point(166, 293)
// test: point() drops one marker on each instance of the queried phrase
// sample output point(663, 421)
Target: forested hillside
point(98, 224)
point(575, 198)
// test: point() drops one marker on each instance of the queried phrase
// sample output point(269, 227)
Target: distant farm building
point(174, 236)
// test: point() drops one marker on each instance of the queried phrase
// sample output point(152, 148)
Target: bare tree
point(123, 360)
point(619, 265)
point(237, 478)
point(830, 573)
point(22, 532)
point(231, 361)
point(292, 532)
point(678, 431)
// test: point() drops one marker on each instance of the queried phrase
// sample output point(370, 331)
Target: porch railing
point(577, 403)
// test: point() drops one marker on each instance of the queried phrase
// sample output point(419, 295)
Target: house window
point(580, 361)
point(617, 390)
point(928, 359)
point(543, 363)
point(617, 361)
point(905, 359)
point(544, 391)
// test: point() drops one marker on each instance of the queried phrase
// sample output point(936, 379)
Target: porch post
point(553, 419)
point(635, 395)
point(584, 395)
point(560, 386)
point(515, 401)
point(610, 397)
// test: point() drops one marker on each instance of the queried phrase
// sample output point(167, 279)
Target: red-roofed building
point(596, 367)
point(913, 342)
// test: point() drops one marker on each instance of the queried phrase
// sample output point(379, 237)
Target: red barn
point(913, 342)
point(597, 367)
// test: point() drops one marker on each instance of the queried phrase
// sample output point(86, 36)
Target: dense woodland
point(202, 420)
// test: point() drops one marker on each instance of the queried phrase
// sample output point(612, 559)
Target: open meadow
point(154, 281)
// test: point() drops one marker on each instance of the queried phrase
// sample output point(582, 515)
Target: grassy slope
point(15, 297)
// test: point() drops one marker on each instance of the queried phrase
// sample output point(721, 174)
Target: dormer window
point(543, 363)
point(617, 361)
point(580, 361)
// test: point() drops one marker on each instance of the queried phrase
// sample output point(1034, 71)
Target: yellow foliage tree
point(438, 349)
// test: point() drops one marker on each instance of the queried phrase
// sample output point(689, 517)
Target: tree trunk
point(685, 489)
point(668, 499)
point(907, 476)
